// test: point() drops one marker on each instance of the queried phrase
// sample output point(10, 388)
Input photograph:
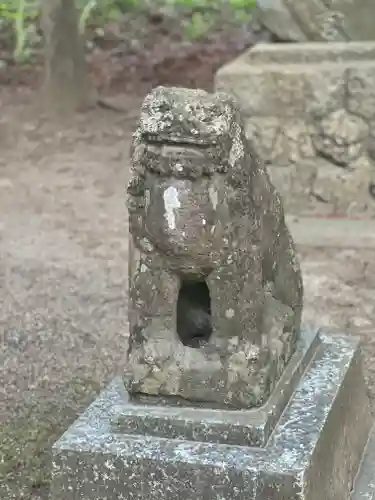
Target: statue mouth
point(161, 139)
point(180, 159)
point(194, 321)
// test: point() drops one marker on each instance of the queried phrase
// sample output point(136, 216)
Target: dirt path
point(63, 280)
point(63, 254)
point(63, 250)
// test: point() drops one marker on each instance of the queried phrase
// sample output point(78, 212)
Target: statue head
point(188, 175)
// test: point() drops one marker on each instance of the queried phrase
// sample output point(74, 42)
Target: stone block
point(311, 104)
point(317, 20)
point(250, 428)
point(281, 90)
point(314, 451)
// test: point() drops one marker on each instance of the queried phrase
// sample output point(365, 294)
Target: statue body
point(215, 289)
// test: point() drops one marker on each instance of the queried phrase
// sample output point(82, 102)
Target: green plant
point(85, 14)
point(198, 25)
point(103, 10)
point(21, 16)
point(20, 13)
point(200, 16)
point(205, 14)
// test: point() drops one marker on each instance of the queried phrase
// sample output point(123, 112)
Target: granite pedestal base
point(308, 442)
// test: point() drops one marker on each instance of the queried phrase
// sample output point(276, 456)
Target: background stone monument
point(318, 20)
point(310, 110)
point(224, 395)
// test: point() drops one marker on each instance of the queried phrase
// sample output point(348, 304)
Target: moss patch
point(25, 442)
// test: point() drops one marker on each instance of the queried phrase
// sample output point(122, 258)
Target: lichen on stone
point(211, 219)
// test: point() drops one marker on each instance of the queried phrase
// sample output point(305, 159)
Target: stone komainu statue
point(215, 289)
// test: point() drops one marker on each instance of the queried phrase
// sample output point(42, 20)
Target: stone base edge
point(314, 452)
point(233, 427)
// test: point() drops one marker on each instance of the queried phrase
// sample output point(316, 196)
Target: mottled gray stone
point(215, 289)
point(360, 91)
point(364, 487)
point(280, 90)
point(311, 105)
point(311, 53)
point(248, 427)
point(335, 186)
point(341, 137)
point(314, 451)
point(317, 20)
point(332, 233)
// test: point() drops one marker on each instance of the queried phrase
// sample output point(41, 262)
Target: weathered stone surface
point(284, 90)
point(299, 180)
point(314, 451)
point(311, 53)
point(364, 487)
point(341, 137)
point(250, 428)
point(360, 89)
point(334, 186)
point(215, 288)
point(311, 105)
point(318, 20)
point(337, 233)
point(281, 145)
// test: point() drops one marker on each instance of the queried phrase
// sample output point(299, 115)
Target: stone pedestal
point(306, 442)
point(310, 111)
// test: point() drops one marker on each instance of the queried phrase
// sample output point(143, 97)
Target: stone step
point(340, 233)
